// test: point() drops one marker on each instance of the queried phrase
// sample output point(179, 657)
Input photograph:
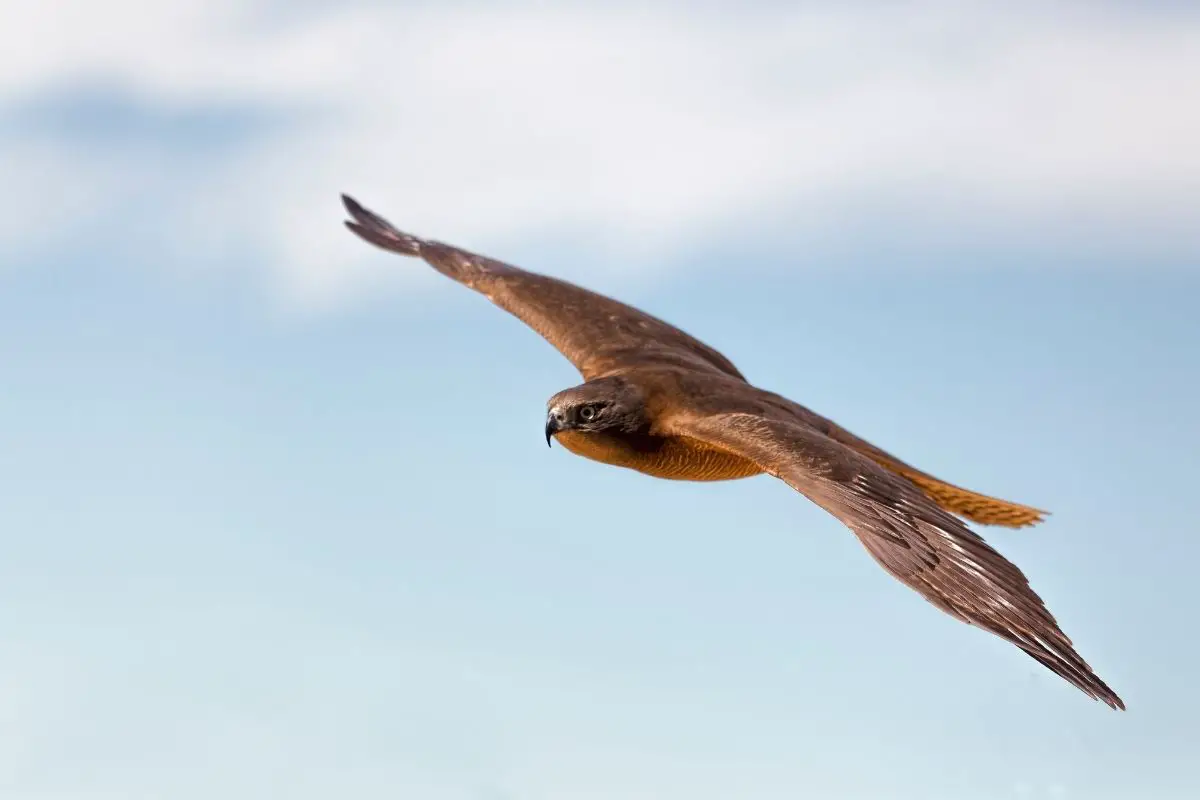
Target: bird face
point(594, 407)
point(582, 417)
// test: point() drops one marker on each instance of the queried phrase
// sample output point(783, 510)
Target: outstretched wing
point(913, 539)
point(596, 333)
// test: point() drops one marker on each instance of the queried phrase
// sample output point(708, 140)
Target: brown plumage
point(660, 402)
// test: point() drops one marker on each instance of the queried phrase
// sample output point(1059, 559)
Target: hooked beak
point(554, 423)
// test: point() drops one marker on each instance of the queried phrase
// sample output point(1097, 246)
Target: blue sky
point(278, 519)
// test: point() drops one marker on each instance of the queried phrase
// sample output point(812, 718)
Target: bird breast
point(677, 458)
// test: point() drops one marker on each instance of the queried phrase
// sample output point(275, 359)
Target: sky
point(276, 514)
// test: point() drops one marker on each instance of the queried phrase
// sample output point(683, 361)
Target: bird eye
point(587, 413)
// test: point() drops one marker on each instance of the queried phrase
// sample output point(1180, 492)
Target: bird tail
point(969, 505)
point(972, 505)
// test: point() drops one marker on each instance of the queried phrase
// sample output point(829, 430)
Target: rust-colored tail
point(972, 505)
point(969, 505)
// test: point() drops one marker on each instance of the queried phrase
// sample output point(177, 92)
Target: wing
point(596, 333)
point(968, 504)
point(914, 540)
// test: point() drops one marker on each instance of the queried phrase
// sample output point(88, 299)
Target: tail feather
point(972, 505)
point(969, 505)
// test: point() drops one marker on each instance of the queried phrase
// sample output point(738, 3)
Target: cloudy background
point(234, 441)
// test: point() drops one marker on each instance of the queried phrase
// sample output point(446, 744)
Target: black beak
point(554, 424)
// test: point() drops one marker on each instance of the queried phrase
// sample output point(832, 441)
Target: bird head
point(605, 404)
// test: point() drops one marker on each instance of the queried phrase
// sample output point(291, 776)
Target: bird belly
point(676, 458)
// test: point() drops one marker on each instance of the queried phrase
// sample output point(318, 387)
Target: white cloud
point(633, 129)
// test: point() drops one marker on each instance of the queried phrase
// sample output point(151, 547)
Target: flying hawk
point(660, 402)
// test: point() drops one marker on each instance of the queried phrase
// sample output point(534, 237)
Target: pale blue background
point(245, 553)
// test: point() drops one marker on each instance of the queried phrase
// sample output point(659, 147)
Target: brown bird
point(660, 402)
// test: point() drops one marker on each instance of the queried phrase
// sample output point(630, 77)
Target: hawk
point(656, 400)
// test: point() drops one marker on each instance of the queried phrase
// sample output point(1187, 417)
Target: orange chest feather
point(676, 458)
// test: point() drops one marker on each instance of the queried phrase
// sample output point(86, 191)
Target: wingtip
point(1094, 686)
point(351, 205)
point(1110, 699)
point(372, 228)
